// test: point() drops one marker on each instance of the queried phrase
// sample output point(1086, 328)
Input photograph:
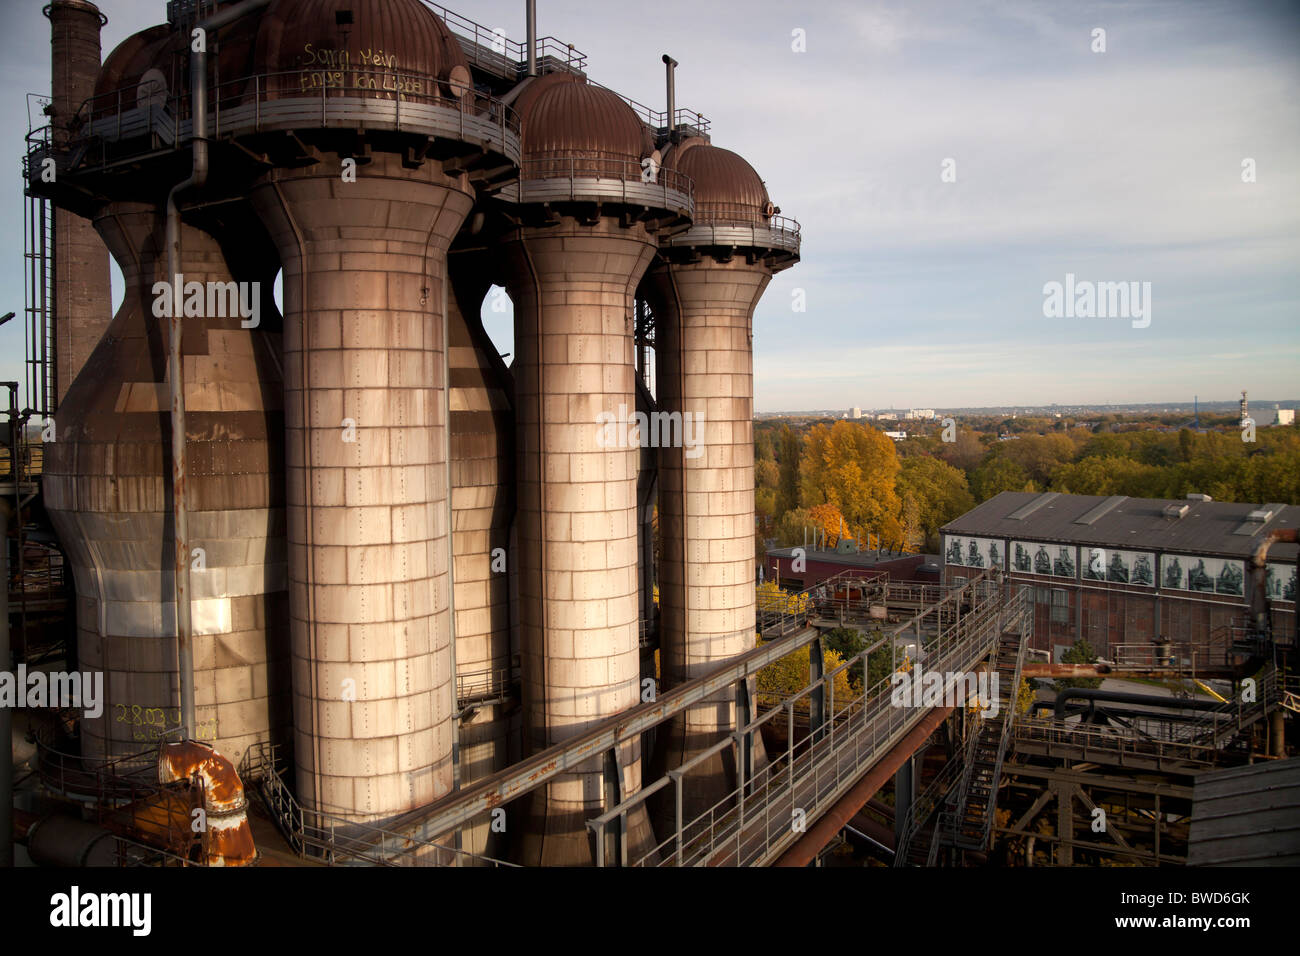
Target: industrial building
point(381, 550)
point(1133, 571)
point(366, 594)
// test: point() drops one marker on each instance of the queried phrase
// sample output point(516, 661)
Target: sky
point(1122, 164)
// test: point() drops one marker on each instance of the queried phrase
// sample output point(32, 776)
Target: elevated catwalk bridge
point(844, 743)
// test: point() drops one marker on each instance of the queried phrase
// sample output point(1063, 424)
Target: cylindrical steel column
point(83, 303)
point(483, 494)
point(572, 288)
point(107, 489)
point(703, 326)
point(364, 263)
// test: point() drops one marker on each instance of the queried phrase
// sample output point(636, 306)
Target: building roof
point(1219, 528)
point(1246, 816)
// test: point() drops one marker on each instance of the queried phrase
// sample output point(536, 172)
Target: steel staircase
point(972, 815)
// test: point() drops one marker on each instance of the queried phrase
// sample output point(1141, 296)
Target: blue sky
point(1115, 166)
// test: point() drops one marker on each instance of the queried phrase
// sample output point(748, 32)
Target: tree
point(964, 453)
point(788, 453)
point(847, 642)
point(793, 527)
point(827, 520)
point(1079, 653)
point(790, 674)
point(996, 475)
point(853, 468)
point(1025, 696)
point(937, 491)
point(771, 597)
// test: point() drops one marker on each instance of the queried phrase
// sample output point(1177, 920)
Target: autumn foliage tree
point(854, 469)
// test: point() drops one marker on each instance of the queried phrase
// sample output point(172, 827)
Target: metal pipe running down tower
point(197, 179)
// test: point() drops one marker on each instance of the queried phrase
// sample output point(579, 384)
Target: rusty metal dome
point(153, 65)
point(563, 116)
point(131, 58)
point(726, 186)
point(356, 40)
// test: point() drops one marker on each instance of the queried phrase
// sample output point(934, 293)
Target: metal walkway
point(772, 806)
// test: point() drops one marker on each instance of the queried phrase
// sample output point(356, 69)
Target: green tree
point(788, 453)
point(1080, 652)
point(996, 475)
point(937, 491)
point(847, 642)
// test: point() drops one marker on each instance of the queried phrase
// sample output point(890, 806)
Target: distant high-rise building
point(857, 412)
point(1283, 416)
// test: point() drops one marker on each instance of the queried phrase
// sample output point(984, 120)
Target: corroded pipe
point(228, 838)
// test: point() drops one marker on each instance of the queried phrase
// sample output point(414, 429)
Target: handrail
point(583, 170)
point(514, 49)
point(405, 100)
point(749, 825)
point(336, 839)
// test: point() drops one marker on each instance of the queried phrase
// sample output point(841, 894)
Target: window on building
point(1060, 606)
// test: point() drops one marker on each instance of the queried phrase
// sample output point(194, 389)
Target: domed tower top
point(726, 186)
point(582, 143)
point(396, 45)
point(130, 60)
point(733, 211)
point(563, 115)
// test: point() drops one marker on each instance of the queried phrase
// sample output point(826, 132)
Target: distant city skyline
point(1266, 404)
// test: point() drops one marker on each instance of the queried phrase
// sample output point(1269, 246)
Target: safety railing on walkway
point(336, 840)
point(128, 122)
point(764, 813)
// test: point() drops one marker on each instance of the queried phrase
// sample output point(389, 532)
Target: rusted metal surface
point(227, 836)
point(726, 186)
point(385, 37)
point(1260, 602)
point(823, 831)
point(562, 116)
point(106, 489)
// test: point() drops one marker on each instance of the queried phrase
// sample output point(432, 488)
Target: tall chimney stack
point(82, 294)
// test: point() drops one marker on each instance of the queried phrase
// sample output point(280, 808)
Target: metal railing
point(105, 781)
point(658, 119)
point(120, 124)
point(923, 807)
point(579, 176)
point(333, 838)
point(1233, 715)
point(1055, 737)
point(486, 685)
point(751, 824)
point(500, 45)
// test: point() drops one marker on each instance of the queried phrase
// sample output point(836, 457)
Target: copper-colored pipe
point(1111, 670)
point(823, 831)
point(1259, 564)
